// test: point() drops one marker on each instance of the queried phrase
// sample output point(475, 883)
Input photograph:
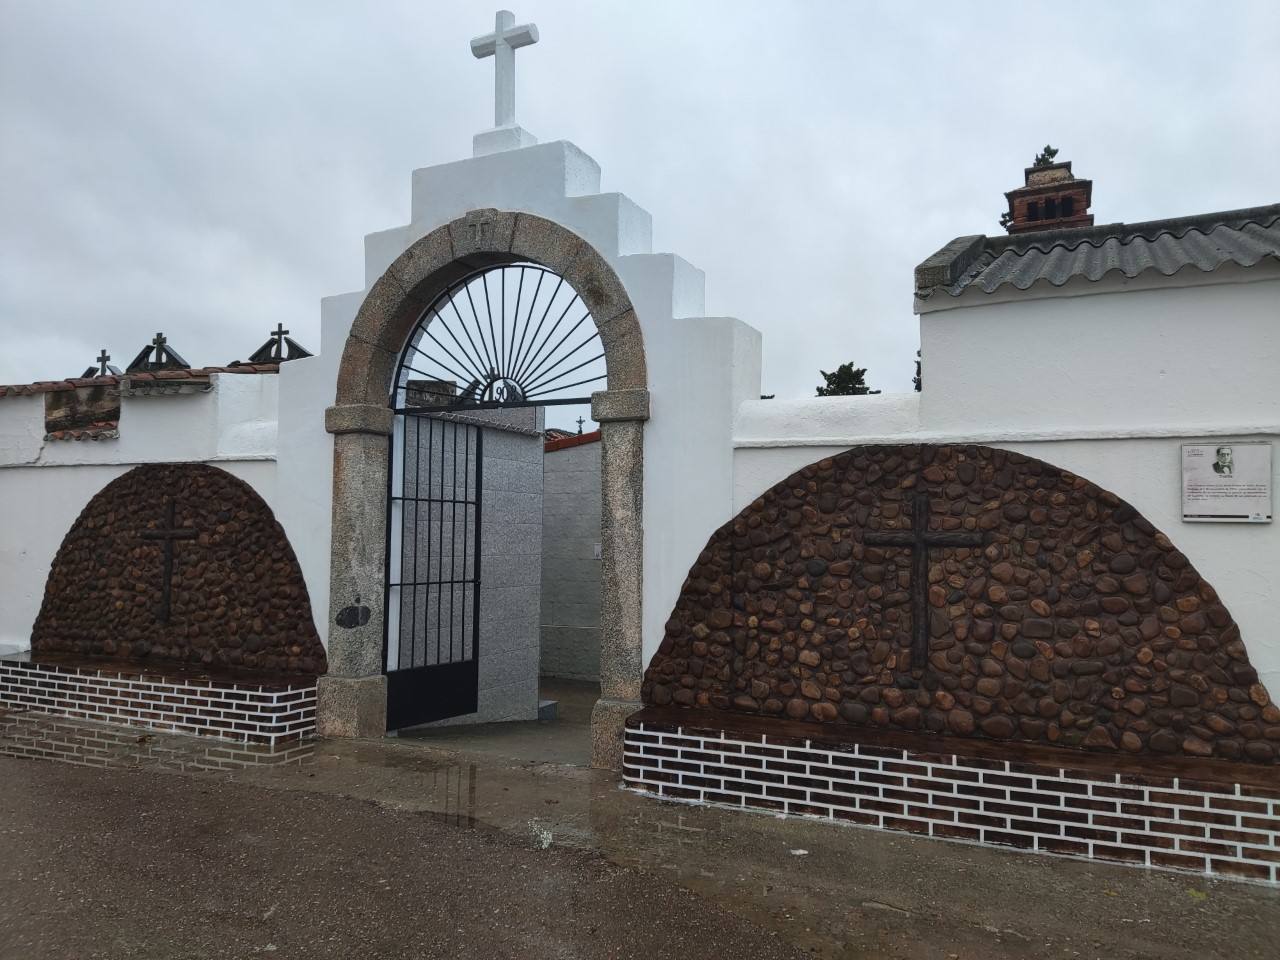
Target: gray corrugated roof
point(1205, 242)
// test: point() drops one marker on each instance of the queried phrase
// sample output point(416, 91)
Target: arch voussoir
point(543, 241)
point(481, 235)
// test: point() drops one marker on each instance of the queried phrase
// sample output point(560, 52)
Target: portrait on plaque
point(1226, 482)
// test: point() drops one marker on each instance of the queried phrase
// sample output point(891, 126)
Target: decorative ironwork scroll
point(511, 336)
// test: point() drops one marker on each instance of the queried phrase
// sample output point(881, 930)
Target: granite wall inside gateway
point(179, 564)
point(1040, 608)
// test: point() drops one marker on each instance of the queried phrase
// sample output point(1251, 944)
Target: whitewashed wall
point(45, 484)
point(1106, 380)
point(695, 363)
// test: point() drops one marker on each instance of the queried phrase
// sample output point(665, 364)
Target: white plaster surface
point(45, 484)
point(1104, 380)
point(1191, 358)
point(38, 505)
point(1107, 385)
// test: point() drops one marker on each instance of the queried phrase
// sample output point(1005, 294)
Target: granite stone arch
point(352, 695)
point(1051, 613)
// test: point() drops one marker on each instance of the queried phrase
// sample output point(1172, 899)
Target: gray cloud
point(210, 169)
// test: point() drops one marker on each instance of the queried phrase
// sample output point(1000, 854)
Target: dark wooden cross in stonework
point(919, 539)
point(168, 535)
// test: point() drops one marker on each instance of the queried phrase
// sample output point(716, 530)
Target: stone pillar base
point(351, 706)
point(608, 718)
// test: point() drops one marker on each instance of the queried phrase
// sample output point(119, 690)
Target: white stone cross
point(502, 45)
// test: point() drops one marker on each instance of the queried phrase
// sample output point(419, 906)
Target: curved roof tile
point(1205, 242)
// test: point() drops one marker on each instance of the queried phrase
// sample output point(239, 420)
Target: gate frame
point(352, 695)
point(404, 681)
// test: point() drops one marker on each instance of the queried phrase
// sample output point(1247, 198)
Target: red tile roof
point(576, 440)
point(101, 430)
point(199, 373)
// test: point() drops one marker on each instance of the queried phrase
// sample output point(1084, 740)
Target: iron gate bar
point(535, 352)
point(480, 330)
point(434, 678)
point(559, 343)
point(519, 294)
point(559, 283)
point(465, 509)
point(463, 408)
point(524, 355)
point(431, 456)
point(453, 540)
point(476, 365)
point(475, 591)
point(488, 307)
point(542, 383)
point(532, 304)
point(462, 323)
point(427, 331)
point(565, 387)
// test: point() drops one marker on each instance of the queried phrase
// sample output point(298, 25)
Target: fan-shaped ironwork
point(512, 336)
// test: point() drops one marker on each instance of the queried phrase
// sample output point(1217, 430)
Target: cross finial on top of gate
point(502, 45)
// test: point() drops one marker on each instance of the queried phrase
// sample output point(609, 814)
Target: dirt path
point(132, 863)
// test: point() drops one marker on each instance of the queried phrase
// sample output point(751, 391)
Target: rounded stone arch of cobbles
point(1070, 620)
point(237, 597)
point(352, 696)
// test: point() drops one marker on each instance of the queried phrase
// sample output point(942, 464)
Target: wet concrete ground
point(566, 740)
point(372, 847)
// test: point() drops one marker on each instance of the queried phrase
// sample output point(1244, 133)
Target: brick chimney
point(1050, 199)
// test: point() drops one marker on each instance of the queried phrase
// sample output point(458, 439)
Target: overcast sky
point(209, 169)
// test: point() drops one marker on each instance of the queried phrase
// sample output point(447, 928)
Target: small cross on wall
point(168, 535)
point(103, 358)
point(919, 540)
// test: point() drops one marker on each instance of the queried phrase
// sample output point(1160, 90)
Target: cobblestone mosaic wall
point(966, 591)
point(179, 564)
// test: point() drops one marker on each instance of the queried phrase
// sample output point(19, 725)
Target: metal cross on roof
point(580, 423)
point(502, 45)
point(157, 355)
point(102, 369)
point(278, 348)
point(919, 539)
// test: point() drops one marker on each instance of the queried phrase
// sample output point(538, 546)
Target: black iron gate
point(432, 644)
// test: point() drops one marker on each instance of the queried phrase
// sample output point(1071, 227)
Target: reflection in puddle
point(39, 737)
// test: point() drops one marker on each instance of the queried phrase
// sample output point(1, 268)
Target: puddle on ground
point(852, 893)
point(39, 737)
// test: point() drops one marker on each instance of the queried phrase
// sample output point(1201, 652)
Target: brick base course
point(228, 709)
point(1167, 822)
point(35, 736)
